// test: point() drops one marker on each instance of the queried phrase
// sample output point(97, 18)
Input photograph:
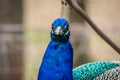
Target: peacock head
point(60, 30)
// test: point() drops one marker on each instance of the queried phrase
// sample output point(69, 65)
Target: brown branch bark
point(82, 13)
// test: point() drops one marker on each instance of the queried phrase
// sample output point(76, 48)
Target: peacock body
point(58, 58)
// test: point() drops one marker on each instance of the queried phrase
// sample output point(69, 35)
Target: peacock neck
point(57, 62)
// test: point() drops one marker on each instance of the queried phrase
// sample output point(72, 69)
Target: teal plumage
point(91, 70)
point(58, 59)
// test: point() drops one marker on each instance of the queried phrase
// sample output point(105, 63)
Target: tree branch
point(82, 13)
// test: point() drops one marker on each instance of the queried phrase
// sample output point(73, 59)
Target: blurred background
point(25, 27)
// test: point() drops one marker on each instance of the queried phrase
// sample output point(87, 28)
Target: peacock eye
point(67, 27)
point(52, 27)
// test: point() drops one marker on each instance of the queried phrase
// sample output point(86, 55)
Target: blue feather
point(60, 56)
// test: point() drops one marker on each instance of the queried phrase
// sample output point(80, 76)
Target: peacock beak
point(58, 31)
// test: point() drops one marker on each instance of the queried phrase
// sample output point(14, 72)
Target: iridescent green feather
point(91, 70)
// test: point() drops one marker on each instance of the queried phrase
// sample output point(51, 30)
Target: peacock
point(57, 62)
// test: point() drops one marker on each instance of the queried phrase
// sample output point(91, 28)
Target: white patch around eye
point(66, 25)
point(58, 30)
